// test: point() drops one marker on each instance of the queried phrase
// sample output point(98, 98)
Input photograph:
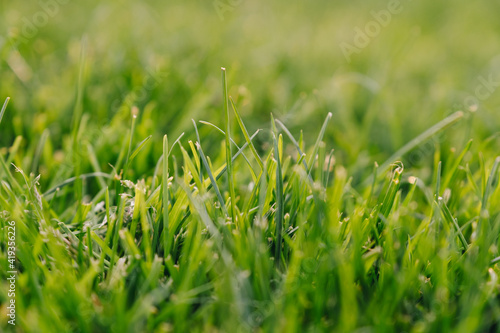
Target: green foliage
point(133, 217)
point(300, 254)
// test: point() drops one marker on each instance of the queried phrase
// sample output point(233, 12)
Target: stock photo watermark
point(224, 6)
point(138, 95)
point(30, 26)
point(363, 36)
point(484, 89)
point(11, 272)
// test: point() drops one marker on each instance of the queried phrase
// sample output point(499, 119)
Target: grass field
point(241, 166)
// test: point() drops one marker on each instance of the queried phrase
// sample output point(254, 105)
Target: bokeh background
point(427, 61)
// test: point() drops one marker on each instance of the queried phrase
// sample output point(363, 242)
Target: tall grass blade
point(229, 154)
point(134, 113)
point(279, 214)
point(165, 198)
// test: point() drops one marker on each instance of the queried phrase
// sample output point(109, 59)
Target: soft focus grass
point(165, 204)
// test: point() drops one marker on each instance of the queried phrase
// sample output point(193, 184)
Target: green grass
point(292, 192)
point(301, 252)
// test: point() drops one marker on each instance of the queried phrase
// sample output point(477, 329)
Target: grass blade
point(135, 111)
point(73, 179)
point(254, 177)
point(245, 134)
point(279, 198)
point(165, 198)
point(310, 163)
point(229, 154)
point(445, 211)
point(450, 174)
point(484, 225)
point(388, 202)
point(296, 144)
point(4, 107)
point(212, 179)
point(139, 148)
point(38, 151)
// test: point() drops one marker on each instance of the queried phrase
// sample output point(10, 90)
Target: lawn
point(238, 166)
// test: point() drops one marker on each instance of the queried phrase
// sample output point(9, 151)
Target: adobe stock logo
point(485, 88)
point(224, 6)
point(363, 37)
point(31, 26)
point(139, 93)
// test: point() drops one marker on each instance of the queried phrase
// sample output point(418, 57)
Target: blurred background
point(386, 70)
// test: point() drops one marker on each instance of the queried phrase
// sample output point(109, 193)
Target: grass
point(294, 191)
point(301, 252)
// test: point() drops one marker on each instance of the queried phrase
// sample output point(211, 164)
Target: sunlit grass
point(304, 248)
point(293, 192)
